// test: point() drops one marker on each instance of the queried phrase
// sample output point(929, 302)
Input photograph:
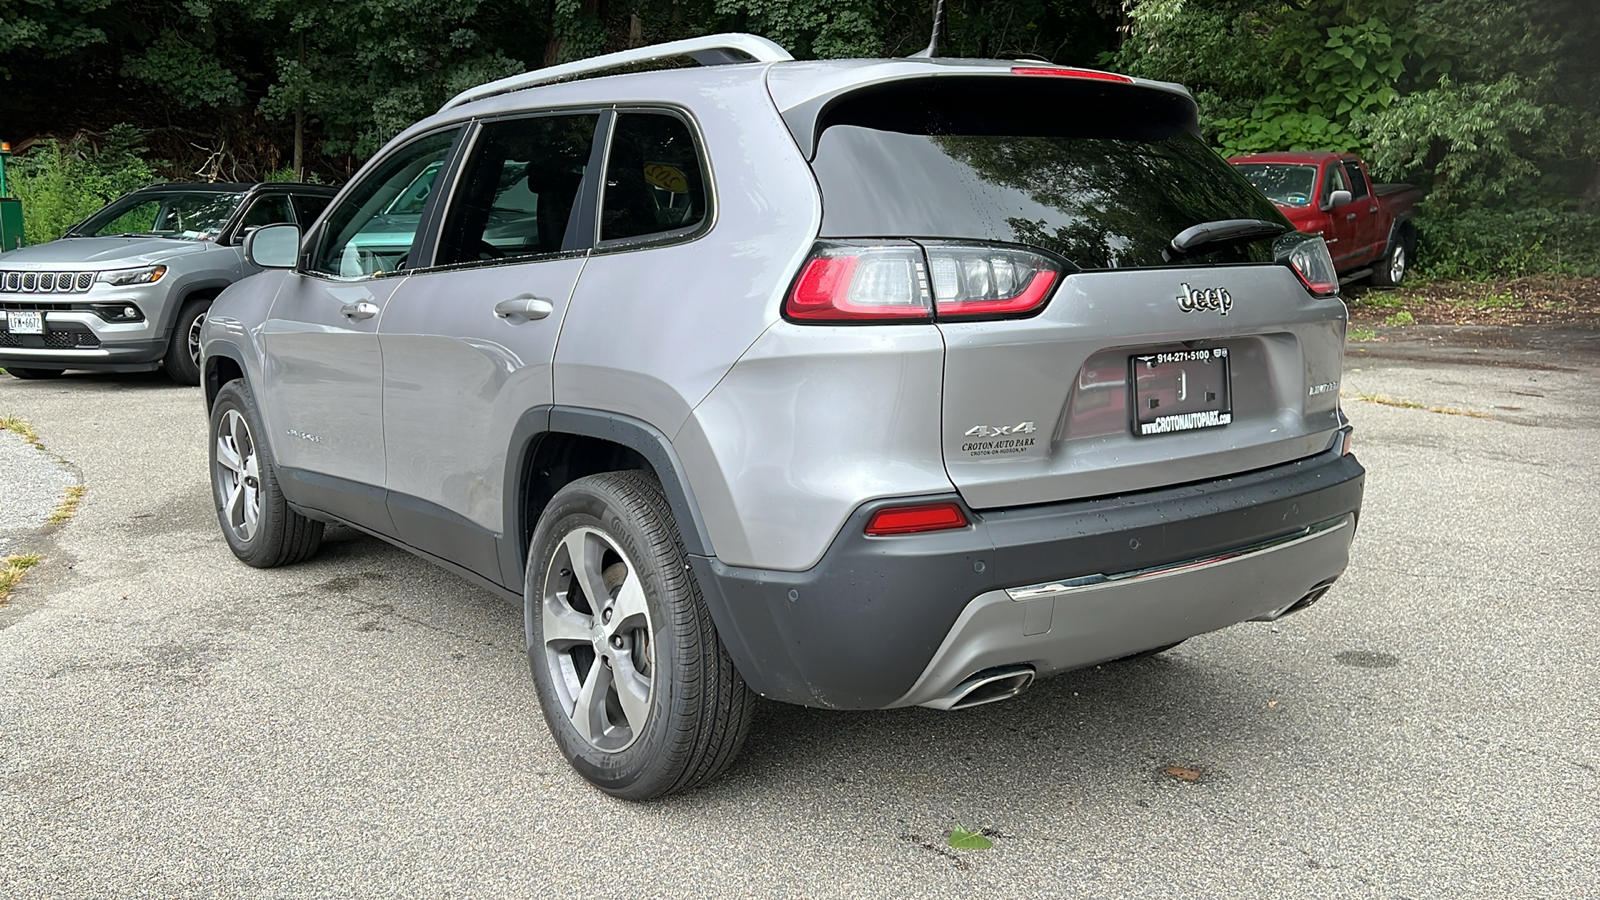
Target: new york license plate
point(25, 322)
point(1180, 390)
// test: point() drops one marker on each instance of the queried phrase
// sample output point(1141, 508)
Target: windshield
point(1107, 185)
point(1288, 183)
point(188, 215)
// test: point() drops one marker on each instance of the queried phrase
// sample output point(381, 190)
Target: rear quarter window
point(655, 186)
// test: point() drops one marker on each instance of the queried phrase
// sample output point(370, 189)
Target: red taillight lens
point(846, 283)
point(972, 281)
point(1069, 72)
point(916, 519)
point(1309, 258)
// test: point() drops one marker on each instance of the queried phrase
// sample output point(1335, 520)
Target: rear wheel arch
point(554, 446)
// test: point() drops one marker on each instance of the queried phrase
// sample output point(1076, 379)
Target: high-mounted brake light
point(1069, 72)
point(916, 519)
point(1309, 258)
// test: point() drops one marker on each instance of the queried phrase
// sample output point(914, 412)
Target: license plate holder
point(31, 322)
point(1180, 390)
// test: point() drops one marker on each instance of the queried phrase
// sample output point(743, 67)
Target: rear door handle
point(526, 306)
point(361, 309)
point(1349, 216)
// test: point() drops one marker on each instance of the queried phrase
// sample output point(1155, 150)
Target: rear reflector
point(915, 519)
point(1069, 72)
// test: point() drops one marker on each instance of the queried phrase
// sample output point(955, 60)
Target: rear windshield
point(1102, 175)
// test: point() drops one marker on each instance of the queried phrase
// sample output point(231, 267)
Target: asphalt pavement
point(174, 723)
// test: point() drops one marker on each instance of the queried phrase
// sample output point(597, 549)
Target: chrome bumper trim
point(1092, 582)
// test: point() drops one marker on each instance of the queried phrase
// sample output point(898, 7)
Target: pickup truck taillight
point(857, 283)
point(1309, 258)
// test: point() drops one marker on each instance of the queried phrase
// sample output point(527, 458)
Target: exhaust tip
point(1312, 596)
point(988, 686)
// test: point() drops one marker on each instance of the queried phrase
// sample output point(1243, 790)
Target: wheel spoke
point(252, 510)
point(235, 506)
point(565, 627)
point(633, 690)
point(589, 707)
point(228, 456)
point(584, 553)
point(630, 604)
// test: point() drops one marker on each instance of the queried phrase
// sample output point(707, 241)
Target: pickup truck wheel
point(183, 349)
point(30, 374)
point(637, 689)
point(257, 522)
point(1391, 270)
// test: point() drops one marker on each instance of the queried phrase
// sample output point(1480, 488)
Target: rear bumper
point(883, 622)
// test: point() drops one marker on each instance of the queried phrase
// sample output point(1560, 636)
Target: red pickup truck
point(1367, 226)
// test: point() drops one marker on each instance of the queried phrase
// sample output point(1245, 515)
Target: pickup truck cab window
point(1357, 178)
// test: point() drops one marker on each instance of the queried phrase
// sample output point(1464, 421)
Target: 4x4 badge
point(1192, 300)
point(1000, 430)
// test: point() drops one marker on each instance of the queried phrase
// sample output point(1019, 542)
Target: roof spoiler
point(710, 50)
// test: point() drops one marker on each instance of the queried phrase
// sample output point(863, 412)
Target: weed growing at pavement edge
point(69, 505)
point(11, 569)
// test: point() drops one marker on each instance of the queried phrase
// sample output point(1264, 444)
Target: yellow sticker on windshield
point(668, 178)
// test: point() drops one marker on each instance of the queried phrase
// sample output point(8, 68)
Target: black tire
point(31, 374)
point(1391, 270)
point(182, 361)
point(697, 710)
point(279, 535)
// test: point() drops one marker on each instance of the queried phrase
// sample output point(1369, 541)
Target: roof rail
point(710, 50)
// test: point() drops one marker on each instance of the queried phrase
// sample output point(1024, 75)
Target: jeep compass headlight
point(148, 275)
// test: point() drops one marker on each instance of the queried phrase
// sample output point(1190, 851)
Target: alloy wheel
point(194, 338)
point(238, 476)
point(1397, 264)
point(597, 639)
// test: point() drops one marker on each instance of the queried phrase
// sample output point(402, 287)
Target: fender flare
point(180, 295)
point(635, 434)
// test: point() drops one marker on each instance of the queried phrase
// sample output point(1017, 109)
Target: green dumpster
point(10, 208)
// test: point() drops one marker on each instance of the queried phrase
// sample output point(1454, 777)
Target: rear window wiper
point(1222, 231)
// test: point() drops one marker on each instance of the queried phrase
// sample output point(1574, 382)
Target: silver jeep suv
point(856, 384)
point(129, 286)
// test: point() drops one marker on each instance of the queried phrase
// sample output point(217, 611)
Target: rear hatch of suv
point(1034, 214)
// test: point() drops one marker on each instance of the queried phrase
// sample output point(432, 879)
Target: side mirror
point(244, 233)
point(1338, 198)
point(273, 247)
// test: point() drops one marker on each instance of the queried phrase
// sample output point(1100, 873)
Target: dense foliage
point(1490, 105)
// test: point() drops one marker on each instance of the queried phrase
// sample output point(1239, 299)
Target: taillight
point(980, 280)
point(849, 283)
point(861, 283)
point(1069, 72)
point(1309, 258)
point(916, 519)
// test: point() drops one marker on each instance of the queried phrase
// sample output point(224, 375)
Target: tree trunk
point(300, 118)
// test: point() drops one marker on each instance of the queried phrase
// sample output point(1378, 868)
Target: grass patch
point(1400, 319)
point(11, 569)
point(1503, 300)
point(1381, 300)
point(1382, 400)
point(1358, 333)
point(69, 505)
point(21, 426)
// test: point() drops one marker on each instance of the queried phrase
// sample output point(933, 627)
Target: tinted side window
point(272, 209)
point(654, 184)
point(308, 206)
point(1336, 181)
point(1358, 184)
point(518, 190)
point(370, 231)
